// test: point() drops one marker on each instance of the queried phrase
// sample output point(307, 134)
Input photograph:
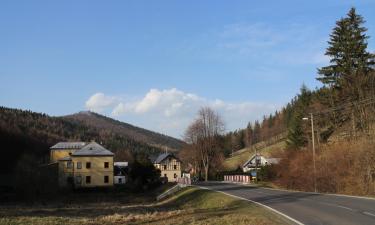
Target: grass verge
point(189, 206)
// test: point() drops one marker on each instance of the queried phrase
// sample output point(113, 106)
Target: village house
point(120, 172)
point(169, 166)
point(258, 162)
point(82, 164)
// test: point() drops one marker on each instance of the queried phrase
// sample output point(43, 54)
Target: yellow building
point(169, 166)
point(83, 165)
point(64, 149)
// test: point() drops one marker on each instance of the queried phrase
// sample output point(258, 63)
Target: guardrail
point(181, 183)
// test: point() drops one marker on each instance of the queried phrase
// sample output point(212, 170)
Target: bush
point(346, 167)
point(143, 175)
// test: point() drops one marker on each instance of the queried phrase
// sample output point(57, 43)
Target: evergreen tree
point(348, 52)
point(249, 135)
point(296, 137)
point(256, 132)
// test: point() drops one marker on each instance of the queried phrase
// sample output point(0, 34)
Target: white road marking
point(329, 204)
point(344, 207)
point(369, 214)
point(274, 210)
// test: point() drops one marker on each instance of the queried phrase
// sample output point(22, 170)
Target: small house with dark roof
point(121, 171)
point(169, 166)
point(258, 161)
point(83, 164)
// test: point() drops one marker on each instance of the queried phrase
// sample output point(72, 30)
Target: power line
point(346, 106)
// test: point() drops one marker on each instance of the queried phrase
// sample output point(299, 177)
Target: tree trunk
point(206, 173)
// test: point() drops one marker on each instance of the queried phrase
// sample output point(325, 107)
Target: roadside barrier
point(238, 178)
point(182, 182)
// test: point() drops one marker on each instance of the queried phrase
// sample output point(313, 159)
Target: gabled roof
point(259, 156)
point(68, 145)
point(251, 158)
point(163, 156)
point(92, 149)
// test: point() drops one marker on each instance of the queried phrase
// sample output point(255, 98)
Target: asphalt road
point(306, 208)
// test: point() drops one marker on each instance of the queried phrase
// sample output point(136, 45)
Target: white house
point(261, 161)
point(120, 171)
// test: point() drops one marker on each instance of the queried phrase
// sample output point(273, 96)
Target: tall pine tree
point(296, 137)
point(348, 54)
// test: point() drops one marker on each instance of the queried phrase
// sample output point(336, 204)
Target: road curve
point(306, 208)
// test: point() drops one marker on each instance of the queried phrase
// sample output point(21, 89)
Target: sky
point(155, 63)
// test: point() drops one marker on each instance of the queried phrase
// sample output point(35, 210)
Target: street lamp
point(313, 145)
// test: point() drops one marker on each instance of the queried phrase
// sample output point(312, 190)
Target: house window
point(88, 179)
point(69, 165)
point(165, 167)
point(106, 179)
point(106, 164)
point(165, 175)
point(175, 175)
point(88, 165)
point(78, 180)
point(175, 167)
point(79, 165)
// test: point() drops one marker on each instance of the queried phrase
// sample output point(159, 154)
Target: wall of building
point(55, 155)
point(96, 172)
point(171, 174)
point(64, 175)
point(119, 179)
point(167, 169)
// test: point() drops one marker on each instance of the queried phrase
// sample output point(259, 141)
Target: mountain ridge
point(137, 133)
point(24, 133)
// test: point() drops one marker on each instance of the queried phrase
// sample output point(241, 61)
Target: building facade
point(82, 164)
point(169, 166)
point(120, 173)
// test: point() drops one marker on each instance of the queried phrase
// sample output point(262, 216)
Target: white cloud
point(99, 102)
point(170, 111)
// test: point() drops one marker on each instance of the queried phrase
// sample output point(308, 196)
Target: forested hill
point(29, 134)
point(106, 124)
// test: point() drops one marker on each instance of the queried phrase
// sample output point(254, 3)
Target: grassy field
point(241, 156)
point(189, 206)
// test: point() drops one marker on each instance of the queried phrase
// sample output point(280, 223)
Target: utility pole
point(256, 165)
point(313, 147)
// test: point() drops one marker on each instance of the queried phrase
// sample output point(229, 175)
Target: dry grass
point(190, 206)
point(345, 167)
point(241, 156)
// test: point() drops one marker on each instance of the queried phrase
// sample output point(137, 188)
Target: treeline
point(347, 95)
point(23, 132)
point(342, 112)
point(106, 124)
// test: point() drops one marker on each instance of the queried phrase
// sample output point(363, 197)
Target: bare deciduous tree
point(203, 135)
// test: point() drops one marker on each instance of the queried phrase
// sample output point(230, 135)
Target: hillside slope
point(27, 136)
point(241, 156)
point(100, 122)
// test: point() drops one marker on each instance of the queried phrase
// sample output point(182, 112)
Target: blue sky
point(154, 63)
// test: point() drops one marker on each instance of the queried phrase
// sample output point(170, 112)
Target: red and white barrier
point(237, 178)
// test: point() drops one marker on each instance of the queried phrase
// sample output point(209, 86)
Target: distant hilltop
point(23, 132)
